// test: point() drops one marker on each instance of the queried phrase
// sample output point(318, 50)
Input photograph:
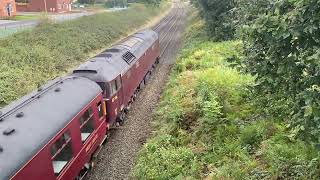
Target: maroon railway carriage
point(122, 70)
point(52, 133)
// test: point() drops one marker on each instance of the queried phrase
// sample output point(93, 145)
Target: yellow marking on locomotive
point(105, 108)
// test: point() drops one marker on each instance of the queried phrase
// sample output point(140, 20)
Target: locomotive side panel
point(132, 78)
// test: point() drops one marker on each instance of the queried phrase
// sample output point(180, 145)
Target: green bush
point(161, 159)
point(282, 48)
point(30, 58)
point(290, 159)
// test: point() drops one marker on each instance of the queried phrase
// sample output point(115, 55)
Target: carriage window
point(86, 125)
point(61, 152)
point(100, 109)
point(115, 86)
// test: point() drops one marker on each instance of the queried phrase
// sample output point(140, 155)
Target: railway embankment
point(208, 126)
point(30, 58)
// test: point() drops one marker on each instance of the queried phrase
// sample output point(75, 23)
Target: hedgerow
point(30, 58)
point(208, 125)
point(281, 48)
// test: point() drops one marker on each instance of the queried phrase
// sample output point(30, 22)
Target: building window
point(100, 109)
point(61, 152)
point(86, 124)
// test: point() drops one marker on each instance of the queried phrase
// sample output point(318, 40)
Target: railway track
point(173, 28)
point(118, 155)
point(169, 22)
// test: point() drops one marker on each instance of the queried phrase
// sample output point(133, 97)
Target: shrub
point(161, 159)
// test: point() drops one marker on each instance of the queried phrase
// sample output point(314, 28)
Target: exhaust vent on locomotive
point(128, 57)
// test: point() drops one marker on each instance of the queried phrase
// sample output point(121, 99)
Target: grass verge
point(30, 58)
point(208, 127)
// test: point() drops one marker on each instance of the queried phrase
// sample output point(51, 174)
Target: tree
point(283, 51)
point(217, 14)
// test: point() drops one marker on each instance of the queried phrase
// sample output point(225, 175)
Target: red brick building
point(41, 5)
point(7, 8)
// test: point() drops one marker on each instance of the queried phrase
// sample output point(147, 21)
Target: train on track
point(57, 131)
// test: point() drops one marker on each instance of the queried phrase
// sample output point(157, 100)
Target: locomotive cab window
point(86, 125)
point(61, 152)
point(115, 86)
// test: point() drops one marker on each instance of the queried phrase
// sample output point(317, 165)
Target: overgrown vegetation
point(281, 48)
point(209, 124)
point(30, 58)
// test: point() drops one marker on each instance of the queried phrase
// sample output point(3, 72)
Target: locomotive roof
point(109, 64)
point(36, 118)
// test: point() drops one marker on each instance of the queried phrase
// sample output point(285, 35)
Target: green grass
point(207, 124)
point(26, 17)
point(8, 32)
point(30, 58)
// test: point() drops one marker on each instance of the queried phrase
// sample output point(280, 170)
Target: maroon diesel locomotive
point(57, 131)
point(122, 70)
